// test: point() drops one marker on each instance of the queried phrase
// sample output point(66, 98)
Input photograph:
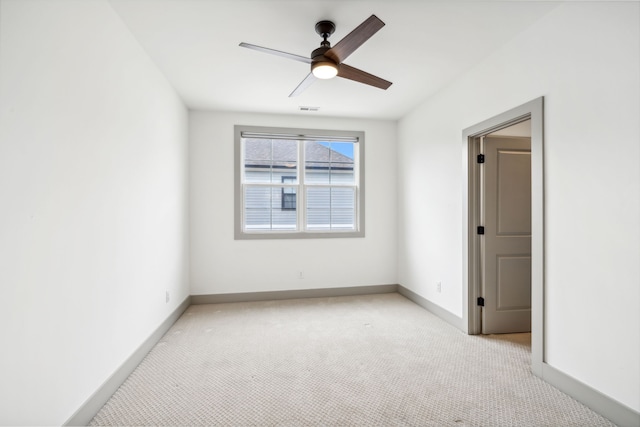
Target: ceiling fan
point(326, 61)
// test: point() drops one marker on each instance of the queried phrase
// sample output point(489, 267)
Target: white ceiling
point(424, 45)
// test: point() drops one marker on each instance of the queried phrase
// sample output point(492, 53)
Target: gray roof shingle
point(258, 152)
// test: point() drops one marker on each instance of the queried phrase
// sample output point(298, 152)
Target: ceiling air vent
point(303, 108)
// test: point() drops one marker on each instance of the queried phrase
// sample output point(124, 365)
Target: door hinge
point(480, 158)
point(481, 230)
point(481, 301)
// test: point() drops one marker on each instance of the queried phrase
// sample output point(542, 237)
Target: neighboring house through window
point(289, 193)
point(293, 183)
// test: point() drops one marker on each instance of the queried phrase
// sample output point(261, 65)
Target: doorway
point(474, 263)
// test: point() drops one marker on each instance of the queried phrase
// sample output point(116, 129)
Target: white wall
point(584, 58)
point(220, 264)
point(93, 217)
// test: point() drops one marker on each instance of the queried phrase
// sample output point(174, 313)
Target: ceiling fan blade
point(354, 39)
point(347, 72)
point(277, 52)
point(303, 85)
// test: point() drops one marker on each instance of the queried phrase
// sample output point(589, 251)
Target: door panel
point(506, 245)
point(513, 192)
point(514, 283)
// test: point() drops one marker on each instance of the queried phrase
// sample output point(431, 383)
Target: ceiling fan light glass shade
point(324, 70)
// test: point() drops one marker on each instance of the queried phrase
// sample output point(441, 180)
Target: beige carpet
point(376, 360)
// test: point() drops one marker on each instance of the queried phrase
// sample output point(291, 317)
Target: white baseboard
point(443, 314)
point(292, 294)
point(616, 412)
point(90, 408)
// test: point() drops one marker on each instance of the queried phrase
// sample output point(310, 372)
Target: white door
point(506, 244)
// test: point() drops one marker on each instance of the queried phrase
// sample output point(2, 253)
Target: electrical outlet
point(300, 275)
point(439, 286)
point(167, 297)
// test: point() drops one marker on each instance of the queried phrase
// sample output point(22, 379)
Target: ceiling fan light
point(324, 70)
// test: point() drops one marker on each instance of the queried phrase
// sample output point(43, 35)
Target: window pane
point(267, 160)
point(342, 162)
point(329, 162)
point(330, 208)
point(343, 208)
point(264, 209)
point(318, 208)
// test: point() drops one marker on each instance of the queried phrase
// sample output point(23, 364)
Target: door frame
point(533, 110)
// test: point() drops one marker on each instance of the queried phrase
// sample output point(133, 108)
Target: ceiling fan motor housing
point(319, 60)
point(318, 55)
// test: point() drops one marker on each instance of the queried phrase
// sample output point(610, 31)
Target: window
point(296, 183)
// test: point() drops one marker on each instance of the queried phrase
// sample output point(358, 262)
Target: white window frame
point(299, 135)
